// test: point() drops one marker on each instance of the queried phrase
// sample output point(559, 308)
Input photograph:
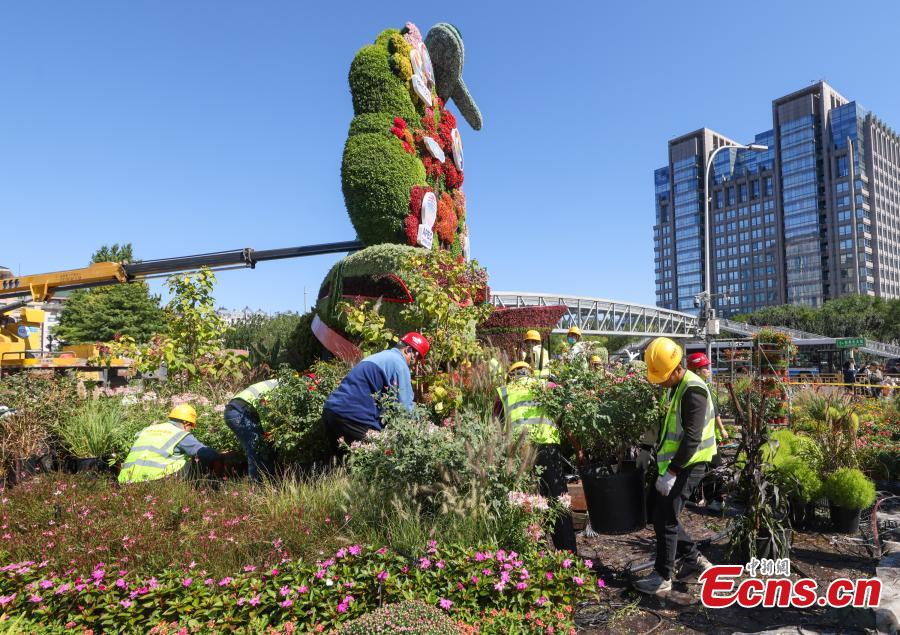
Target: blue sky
point(187, 127)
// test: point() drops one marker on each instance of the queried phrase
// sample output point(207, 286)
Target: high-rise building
point(815, 216)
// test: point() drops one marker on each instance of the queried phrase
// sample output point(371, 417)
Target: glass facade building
point(815, 216)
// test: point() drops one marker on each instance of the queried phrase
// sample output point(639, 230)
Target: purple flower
point(285, 591)
point(303, 589)
point(121, 583)
point(35, 598)
point(285, 604)
point(46, 584)
point(445, 604)
point(187, 582)
point(541, 601)
point(254, 600)
point(126, 604)
point(6, 599)
point(355, 550)
point(342, 607)
point(577, 580)
point(225, 581)
point(521, 586)
point(382, 576)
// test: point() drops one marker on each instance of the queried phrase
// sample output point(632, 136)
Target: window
point(754, 189)
point(769, 186)
point(719, 199)
point(742, 192)
point(731, 196)
point(842, 166)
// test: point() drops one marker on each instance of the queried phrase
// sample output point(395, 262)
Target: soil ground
point(814, 554)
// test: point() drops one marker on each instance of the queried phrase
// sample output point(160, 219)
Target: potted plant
point(603, 415)
point(800, 482)
point(763, 530)
point(849, 491)
point(91, 434)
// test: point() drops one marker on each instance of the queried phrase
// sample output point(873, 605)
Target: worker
point(352, 410)
point(699, 364)
point(164, 449)
point(596, 362)
point(516, 404)
point(685, 446)
point(242, 418)
point(536, 355)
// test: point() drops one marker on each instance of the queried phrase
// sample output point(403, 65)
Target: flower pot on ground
point(766, 545)
point(615, 502)
point(849, 491)
point(798, 481)
point(603, 416)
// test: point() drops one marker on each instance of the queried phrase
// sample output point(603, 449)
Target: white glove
point(665, 482)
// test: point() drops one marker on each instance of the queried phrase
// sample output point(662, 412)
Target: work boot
point(694, 568)
point(653, 584)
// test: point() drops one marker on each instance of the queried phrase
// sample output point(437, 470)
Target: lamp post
point(707, 257)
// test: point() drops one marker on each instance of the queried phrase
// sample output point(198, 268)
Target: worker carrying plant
point(517, 403)
point(165, 449)
point(536, 355)
point(685, 446)
point(242, 418)
point(352, 410)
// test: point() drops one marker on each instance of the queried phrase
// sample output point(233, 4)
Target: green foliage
point(847, 316)
point(94, 429)
point(603, 414)
point(798, 480)
point(302, 347)
point(373, 123)
point(291, 412)
point(374, 86)
point(407, 616)
point(833, 427)
point(266, 337)
point(98, 315)
point(849, 488)
point(376, 178)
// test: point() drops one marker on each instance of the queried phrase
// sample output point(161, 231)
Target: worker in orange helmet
point(352, 410)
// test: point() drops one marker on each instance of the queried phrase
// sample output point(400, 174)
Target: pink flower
point(208, 581)
point(601, 583)
point(479, 557)
point(249, 568)
point(320, 574)
point(589, 564)
point(153, 583)
point(355, 550)
point(46, 584)
point(474, 579)
point(35, 598)
point(98, 574)
point(121, 583)
point(521, 586)
point(341, 553)
point(567, 563)
point(303, 589)
point(225, 581)
point(499, 586)
point(285, 604)
point(254, 600)
point(284, 591)
point(126, 604)
point(440, 564)
point(382, 576)
point(445, 604)
point(342, 607)
point(577, 580)
point(487, 572)
point(382, 551)
point(424, 563)
point(62, 588)
point(187, 582)
point(6, 599)
point(549, 575)
point(241, 601)
point(541, 601)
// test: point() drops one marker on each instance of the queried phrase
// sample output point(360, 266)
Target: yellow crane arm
point(42, 286)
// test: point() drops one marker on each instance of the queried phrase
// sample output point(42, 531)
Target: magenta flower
point(541, 601)
point(342, 607)
point(285, 604)
point(187, 582)
point(121, 583)
point(487, 572)
point(499, 586)
point(98, 574)
point(46, 584)
point(549, 575)
point(577, 580)
point(382, 576)
point(254, 600)
point(225, 581)
point(445, 604)
point(153, 583)
point(341, 553)
point(521, 586)
point(474, 579)
point(589, 564)
point(208, 581)
point(126, 604)
point(35, 598)
point(424, 563)
point(62, 588)
point(440, 564)
point(355, 550)
point(479, 557)
point(601, 583)
point(303, 589)
point(6, 599)
point(567, 563)
point(284, 591)
point(249, 568)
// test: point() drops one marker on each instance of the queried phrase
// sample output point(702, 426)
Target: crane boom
point(41, 287)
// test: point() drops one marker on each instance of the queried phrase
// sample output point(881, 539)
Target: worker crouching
point(242, 418)
point(517, 404)
point(165, 449)
point(685, 447)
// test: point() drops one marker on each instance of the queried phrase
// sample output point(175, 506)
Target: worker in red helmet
point(352, 410)
point(699, 363)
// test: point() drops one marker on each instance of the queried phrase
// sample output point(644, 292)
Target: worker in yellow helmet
point(685, 445)
point(596, 362)
point(536, 355)
point(164, 449)
point(516, 403)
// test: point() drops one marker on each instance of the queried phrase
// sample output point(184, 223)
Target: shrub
point(303, 348)
point(291, 412)
point(849, 488)
point(411, 616)
point(798, 480)
point(375, 88)
point(94, 430)
point(264, 336)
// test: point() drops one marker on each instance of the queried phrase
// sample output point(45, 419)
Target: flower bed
point(470, 585)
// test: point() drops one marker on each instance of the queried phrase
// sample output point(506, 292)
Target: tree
point(99, 315)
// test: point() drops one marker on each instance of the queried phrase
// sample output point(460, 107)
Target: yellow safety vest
point(522, 409)
point(252, 393)
point(672, 432)
point(154, 454)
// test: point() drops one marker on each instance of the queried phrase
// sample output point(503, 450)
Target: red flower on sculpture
point(452, 176)
point(411, 227)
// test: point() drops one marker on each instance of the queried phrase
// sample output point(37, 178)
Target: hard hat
point(595, 359)
point(519, 366)
point(184, 412)
point(418, 342)
point(662, 357)
point(695, 361)
point(575, 331)
point(532, 336)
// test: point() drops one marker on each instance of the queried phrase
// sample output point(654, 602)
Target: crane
point(20, 338)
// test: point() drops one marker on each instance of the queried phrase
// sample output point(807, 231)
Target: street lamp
point(707, 291)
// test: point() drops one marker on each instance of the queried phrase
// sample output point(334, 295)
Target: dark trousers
point(337, 428)
point(242, 419)
point(552, 485)
point(671, 539)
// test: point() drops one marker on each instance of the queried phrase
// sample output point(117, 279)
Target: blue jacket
point(354, 399)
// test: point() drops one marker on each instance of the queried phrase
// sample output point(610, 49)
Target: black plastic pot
point(845, 521)
point(616, 502)
point(803, 515)
point(89, 464)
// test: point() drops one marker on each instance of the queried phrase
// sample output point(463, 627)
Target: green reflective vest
point(154, 454)
point(671, 433)
point(252, 393)
point(522, 409)
point(541, 364)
